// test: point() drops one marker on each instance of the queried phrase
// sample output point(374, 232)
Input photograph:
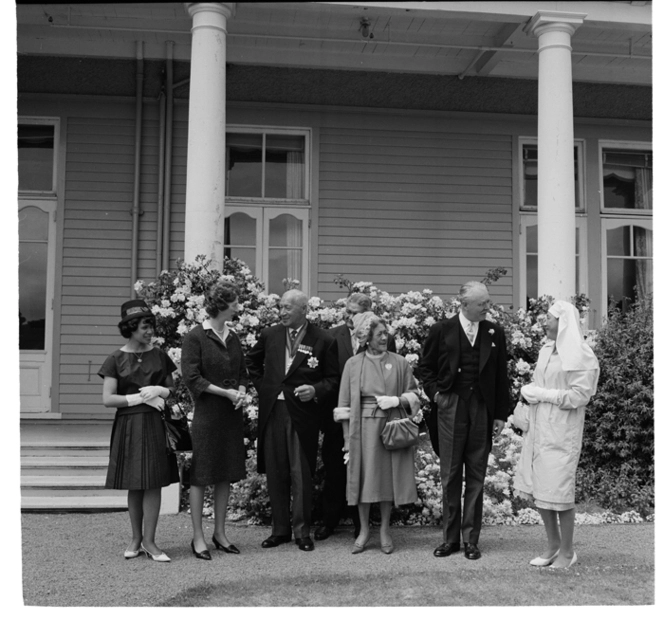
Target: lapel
point(212, 336)
point(279, 349)
point(308, 340)
point(485, 343)
point(452, 344)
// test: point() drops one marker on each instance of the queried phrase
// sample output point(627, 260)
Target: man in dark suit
point(333, 497)
point(464, 373)
point(294, 367)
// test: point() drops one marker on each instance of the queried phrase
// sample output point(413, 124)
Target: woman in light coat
point(374, 382)
point(564, 381)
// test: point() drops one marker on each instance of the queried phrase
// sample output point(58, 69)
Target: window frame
point(530, 219)
point(579, 144)
point(628, 145)
point(274, 130)
point(611, 223)
point(55, 122)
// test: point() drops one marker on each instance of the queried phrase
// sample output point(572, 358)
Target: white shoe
point(544, 561)
point(162, 557)
point(571, 562)
point(128, 555)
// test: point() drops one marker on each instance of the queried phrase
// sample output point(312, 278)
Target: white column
point(206, 168)
point(555, 153)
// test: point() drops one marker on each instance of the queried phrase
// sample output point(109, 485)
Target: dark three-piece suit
point(468, 389)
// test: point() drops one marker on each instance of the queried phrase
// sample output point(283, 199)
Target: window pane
point(531, 239)
point(284, 166)
point(244, 164)
point(642, 241)
point(531, 277)
point(621, 281)
point(529, 154)
point(627, 179)
point(286, 231)
point(32, 224)
point(283, 264)
point(248, 255)
point(35, 157)
point(617, 241)
point(240, 229)
point(32, 294)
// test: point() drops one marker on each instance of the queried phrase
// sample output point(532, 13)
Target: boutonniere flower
point(303, 348)
point(312, 362)
point(388, 366)
point(492, 331)
point(493, 344)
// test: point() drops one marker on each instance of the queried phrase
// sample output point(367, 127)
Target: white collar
point(465, 323)
point(222, 335)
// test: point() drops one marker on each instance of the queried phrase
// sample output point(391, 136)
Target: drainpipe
point(136, 207)
point(160, 187)
point(168, 152)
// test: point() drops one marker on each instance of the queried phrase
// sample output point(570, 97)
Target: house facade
point(411, 144)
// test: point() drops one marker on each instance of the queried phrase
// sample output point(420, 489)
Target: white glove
point(387, 402)
point(157, 402)
point(134, 399)
point(534, 394)
point(150, 391)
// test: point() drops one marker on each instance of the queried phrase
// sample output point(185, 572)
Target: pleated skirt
point(138, 456)
point(385, 475)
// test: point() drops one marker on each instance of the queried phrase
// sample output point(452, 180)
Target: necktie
point(470, 332)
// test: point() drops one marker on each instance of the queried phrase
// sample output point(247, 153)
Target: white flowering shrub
point(177, 299)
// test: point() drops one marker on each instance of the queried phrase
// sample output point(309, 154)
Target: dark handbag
point(400, 432)
point(178, 437)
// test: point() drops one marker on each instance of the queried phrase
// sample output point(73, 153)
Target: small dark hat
point(134, 309)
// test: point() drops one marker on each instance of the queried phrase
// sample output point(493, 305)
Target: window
point(36, 164)
point(528, 258)
point(626, 179)
point(627, 208)
point(628, 252)
point(267, 204)
point(528, 175)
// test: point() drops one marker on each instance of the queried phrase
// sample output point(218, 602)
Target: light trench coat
point(552, 444)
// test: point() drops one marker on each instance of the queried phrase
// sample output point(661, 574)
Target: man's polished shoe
point(471, 551)
point(305, 544)
point(274, 541)
point(323, 532)
point(446, 549)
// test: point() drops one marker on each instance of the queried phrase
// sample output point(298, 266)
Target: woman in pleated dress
point(137, 380)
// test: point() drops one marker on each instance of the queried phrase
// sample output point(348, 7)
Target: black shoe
point(446, 549)
point(471, 551)
point(305, 544)
point(203, 555)
point(274, 541)
point(323, 532)
point(230, 549)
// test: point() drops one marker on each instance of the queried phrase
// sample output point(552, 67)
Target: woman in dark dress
point(214, 371)
point(137, 379)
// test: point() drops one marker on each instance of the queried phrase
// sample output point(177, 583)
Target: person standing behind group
point(464, 372)
point(565, 379)
point(137, 379)
point(295, 369)
point(374, 382)
point(333, 496)
point(214, 371)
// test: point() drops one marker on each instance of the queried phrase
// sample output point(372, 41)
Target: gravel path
point(76, 559)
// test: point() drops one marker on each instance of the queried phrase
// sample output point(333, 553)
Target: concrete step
point(64, 448)
point(58, 484)
point(75, 503)
point(63, 465)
